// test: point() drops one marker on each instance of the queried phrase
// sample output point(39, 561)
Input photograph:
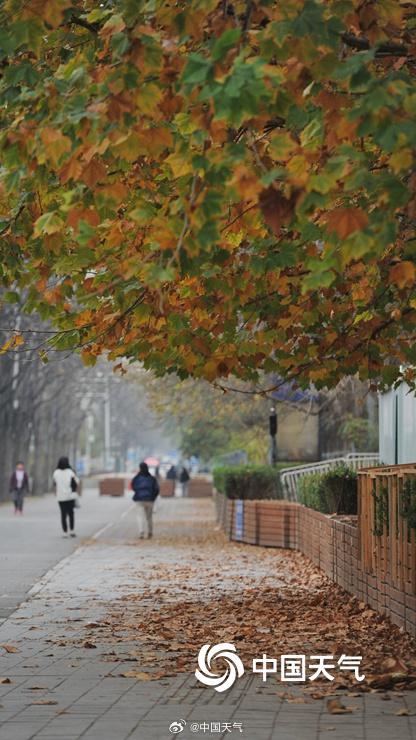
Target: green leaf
point(196, 70)
point(226, 42)
point(48, 223)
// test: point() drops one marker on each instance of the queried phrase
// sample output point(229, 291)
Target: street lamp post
point(273, 433)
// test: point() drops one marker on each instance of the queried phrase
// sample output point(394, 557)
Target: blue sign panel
point(239, 520)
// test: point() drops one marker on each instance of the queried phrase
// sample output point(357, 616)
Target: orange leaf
point(93, 172)
point(71, 170)
point(9, 648)
point(403, 274)
point(345, 221)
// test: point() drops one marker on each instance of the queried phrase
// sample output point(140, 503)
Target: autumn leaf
point(16, 340)
point(48, 223)
point(276, 208)
point(179, 164)
point(247, 183)
point(9, 648)
point(403, 274)
point(401, 160)
point(237, 176)
point(56, 144)
point(93, 172)
point(138, 675)
point(71, 170)
point(335, 706)
point(345, 221)
point(51, 10)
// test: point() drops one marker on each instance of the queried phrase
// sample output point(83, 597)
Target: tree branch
point(92, 27)
point(362, 44)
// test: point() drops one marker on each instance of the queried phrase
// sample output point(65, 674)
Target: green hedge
point(249, 481)
point(333, 492)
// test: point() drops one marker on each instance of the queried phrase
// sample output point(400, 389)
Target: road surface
point(32, 544)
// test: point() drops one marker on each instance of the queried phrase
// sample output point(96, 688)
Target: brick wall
point(331, 543)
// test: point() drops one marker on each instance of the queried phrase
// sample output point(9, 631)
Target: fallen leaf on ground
point(89, 645)
point(9, 648)
point(389, 680)
point(45, 702)
point(5, 680)
point(139, 675)
point(334, 706)
point(36, 688)
point(318, 695)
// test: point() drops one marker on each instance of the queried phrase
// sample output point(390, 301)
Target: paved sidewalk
point(121, 610)
point(33, 543)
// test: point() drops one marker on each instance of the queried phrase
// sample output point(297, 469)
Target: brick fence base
point(331, 543)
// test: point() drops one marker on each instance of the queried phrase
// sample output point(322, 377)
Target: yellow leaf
point(51, 11)
point(179, 165)
point(298, 169)
point(148, 98)
point(210, 370)
point(401, 160)
point(129, 147)
point(282, 146)
point(318, 374)
point(55, 143)
point(48, 223)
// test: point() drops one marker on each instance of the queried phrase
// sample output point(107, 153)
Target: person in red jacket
point(19, 487)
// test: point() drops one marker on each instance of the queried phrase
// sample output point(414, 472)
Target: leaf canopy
point(214, 188)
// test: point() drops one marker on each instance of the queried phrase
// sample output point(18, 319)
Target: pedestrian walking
point(146, 491)
point(184, 478)
point(66, 484)
point(19, 487)
point(172, 475)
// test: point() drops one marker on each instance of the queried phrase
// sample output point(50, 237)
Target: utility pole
point(107, 425)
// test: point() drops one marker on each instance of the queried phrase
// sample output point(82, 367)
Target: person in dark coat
point(184, 478)
point(19, 487)
point(172, 475)
point(146, 491)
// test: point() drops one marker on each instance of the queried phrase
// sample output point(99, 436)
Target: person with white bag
point(66, 484)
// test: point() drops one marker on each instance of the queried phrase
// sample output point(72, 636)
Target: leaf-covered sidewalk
point(107, 646)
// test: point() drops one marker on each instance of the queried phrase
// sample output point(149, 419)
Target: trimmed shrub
point(249, 481)
point(311, 493)
point(333, 492)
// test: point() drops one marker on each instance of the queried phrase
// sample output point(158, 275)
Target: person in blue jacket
point(146, 490)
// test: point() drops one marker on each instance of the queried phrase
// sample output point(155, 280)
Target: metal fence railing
point(290, 476)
